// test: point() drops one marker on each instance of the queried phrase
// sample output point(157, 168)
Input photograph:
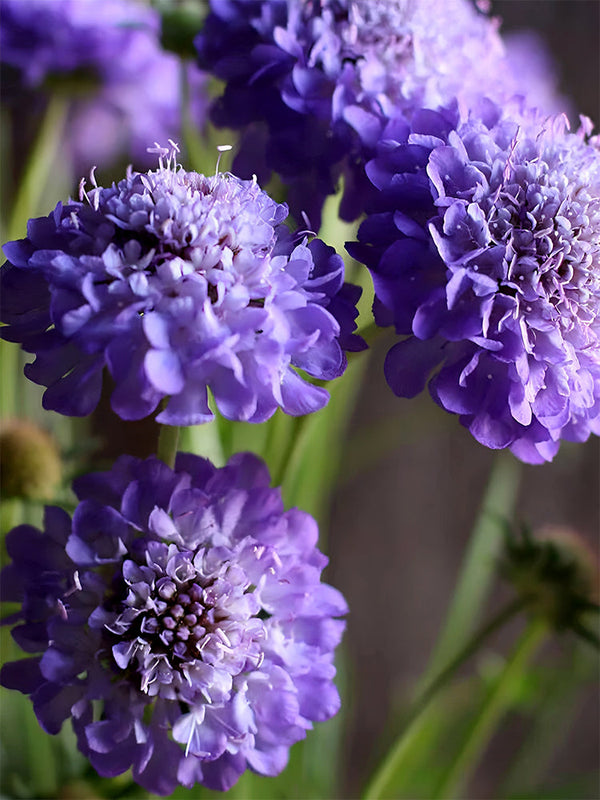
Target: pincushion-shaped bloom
point(178, 283)
point(106, 56)
point(312, 84)
point(181, 622)
point(484, 247)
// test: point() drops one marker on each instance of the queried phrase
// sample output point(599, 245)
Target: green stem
point(496, 702)
point(32, 185)
point(479, 564)
point(167, 444)
point(380, 784)
point(39, 166)
point(9, 379)
point(203, 440)
point(195, 153)
point(293, 448)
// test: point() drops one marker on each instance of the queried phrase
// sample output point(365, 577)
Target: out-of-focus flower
point(484, 246)
point(313, 84)
point(106, 56)
point(181, 622)
point(30, 463)
point(178, 283)
point(536, 73)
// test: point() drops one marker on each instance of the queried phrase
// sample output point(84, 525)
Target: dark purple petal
point(24, 675)
point(52, 704)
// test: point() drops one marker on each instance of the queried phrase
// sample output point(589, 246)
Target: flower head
point(178, 283)
point(107, 57)
point(313, 84)
point(484, 247)
point(180, 619)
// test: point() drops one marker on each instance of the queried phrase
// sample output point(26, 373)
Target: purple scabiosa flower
point(484, 247)
point(125, 90)
point(181, 622)
point(178, 283)
point(312, 84)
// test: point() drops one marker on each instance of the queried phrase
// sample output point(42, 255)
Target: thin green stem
point(479, 564)
point(496, 702)
point(203, 440)
point(9, 378)
point(39, 166)
point(380, 785)
point(167, 444)
point(26, 204)
point(293, 449)
point(195, 152)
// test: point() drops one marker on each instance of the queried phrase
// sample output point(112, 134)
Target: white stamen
point(82, 192)
point(161, 152)
point(277, 560)
point(62, 609)
point(77, 585)
point(223, 637)
point(221, 148)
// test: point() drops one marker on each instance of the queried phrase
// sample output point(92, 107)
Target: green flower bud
point(30, 465)
point(180, 26)
point(556, 574)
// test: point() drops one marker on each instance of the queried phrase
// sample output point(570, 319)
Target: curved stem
point(167, 444)
point(496, 702)
point(479, 564)
point(379, 786)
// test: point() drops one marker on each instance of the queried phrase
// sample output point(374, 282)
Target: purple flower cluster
point(107, 57)
point(484, 247)
point(313, 84)
point(178, 283)
point(181, 622)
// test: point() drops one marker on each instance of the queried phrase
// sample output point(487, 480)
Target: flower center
point(179, 621)
point(183, 625)
point(547, 259)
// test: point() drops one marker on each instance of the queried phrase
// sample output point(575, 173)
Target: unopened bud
point(556, 574)
point(30, 465)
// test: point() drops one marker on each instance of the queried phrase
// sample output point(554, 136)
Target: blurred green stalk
point(496, 703)
point(555, 716)
point(480, 562)
point(382, 782)
point(39, 166)
point(168, 438)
